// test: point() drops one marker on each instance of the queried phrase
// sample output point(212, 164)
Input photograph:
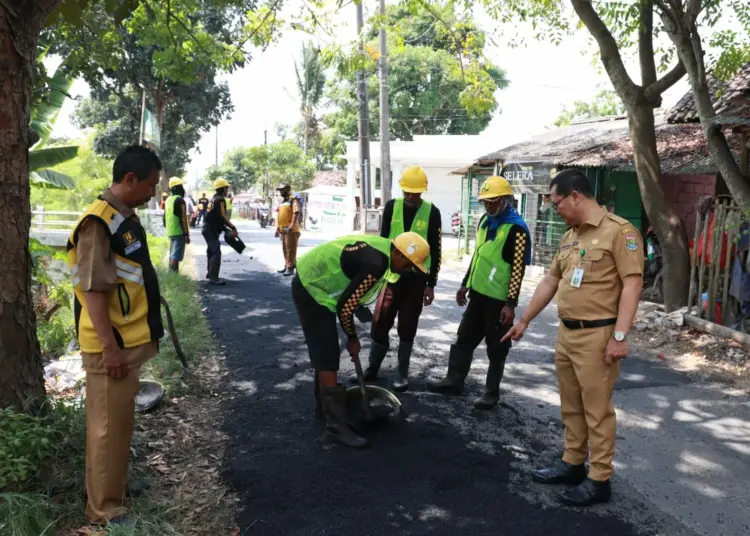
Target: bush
point(27, 442)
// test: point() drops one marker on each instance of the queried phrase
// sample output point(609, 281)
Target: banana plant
point(43, 118)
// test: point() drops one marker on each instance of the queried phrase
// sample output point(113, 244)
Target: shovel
point(362, 389)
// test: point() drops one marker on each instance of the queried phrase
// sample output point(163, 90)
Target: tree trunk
point(21, 373)
point(668, 225)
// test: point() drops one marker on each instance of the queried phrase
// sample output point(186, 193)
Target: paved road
point(682, 454)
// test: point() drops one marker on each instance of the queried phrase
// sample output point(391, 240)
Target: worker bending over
point(176, 222)
point(406, 295)
point(332, 280)
point(216, 222)
point(493, 283)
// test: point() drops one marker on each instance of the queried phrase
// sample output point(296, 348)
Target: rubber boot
point(213, 273)
point(334, 408)
point(497, 354)
point(401, 383)
point(288, 271)
point(377, 355)
point(459, 362)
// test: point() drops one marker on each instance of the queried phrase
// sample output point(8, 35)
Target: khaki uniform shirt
point(608, 248)
point(98, 273)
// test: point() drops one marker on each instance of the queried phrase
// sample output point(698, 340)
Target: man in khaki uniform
point(118, 323)
point(597, 275)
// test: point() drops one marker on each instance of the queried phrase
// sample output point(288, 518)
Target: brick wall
point(684, 191)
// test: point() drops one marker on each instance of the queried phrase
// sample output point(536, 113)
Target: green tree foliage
point(266, 166)
point(440, 81)
point(605, 103)
point(310, 83)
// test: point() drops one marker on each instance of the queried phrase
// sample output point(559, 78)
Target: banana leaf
point(46, 158)
point(48, 178)
point(45, 113)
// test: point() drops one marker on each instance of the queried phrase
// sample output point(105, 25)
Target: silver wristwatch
point(619, 336)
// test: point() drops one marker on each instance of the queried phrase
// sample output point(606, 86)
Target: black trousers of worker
point(405, 299)
point(213, 251)
point(319, 327)
point(481, 320)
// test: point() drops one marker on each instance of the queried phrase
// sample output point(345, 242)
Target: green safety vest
point(320, 270)
point(174, 226)
point(490, 274)
point(420, 225)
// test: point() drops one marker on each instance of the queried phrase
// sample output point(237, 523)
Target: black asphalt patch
point(423, 476)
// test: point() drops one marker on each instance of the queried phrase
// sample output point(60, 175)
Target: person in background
point(287, 227)
point(597, 275)
point(229, 199)
point(118, 323)
point(405, 295)
point(163, 200)
point(202, 208)
point(493, 284)
point(332, 280)
point(216, 222)
point(190, 208)
point(176, 222)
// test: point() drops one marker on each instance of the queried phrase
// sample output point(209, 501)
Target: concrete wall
point(683, 191)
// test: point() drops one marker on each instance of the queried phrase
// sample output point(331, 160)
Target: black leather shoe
point(282, 270)
point(587, 493)
point(560, 473)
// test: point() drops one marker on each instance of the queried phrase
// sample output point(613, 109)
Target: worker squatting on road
point(597, 275)
point(216, 222)
point(407, 295)
point(118, 323)
point(334, 279)
point(287, 227)
point(176, 222)
point(493, 284)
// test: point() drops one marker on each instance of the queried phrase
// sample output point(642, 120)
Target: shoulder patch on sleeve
point(618, 219)
point(631, 242)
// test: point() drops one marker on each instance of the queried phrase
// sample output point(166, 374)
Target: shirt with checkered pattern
point(364, 266)
point(513, 253)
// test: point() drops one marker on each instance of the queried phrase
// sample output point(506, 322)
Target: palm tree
point(310, 82)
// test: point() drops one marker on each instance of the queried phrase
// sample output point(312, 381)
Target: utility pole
point(385, 142)
point(363, 127)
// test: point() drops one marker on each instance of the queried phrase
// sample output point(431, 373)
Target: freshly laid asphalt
point(445, 470)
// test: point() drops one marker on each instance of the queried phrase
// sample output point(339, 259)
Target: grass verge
point(176, 447)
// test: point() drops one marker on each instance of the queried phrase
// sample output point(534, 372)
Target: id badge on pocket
point(577, 278)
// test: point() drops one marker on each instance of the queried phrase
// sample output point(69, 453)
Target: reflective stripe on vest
point(320, 270)
point(134, 304)
point(490, 274)
point(174, 225)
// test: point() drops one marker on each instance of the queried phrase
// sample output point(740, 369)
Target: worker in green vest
point(176, 222)
point(332, 280)
point(406, 296)
point(493, 284)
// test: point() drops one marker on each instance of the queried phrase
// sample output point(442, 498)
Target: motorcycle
point(456, 225)
point(263, 218)
point(654, 269)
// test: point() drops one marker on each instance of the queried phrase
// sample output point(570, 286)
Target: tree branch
point(456, 41)
point(610, 53)
point(665, 82)
point(646, 43)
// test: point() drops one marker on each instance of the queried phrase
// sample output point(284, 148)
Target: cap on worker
point(175, 181)
point(414, 247)
point(220, 183)
point(495, 187)
point(164, 194)
point(284, 186)
point(413, 180)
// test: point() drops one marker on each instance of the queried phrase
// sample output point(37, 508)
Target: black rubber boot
point(401, 383)
point(491, 395)
point(377, 355)
point(459, 362)
point(334, 408)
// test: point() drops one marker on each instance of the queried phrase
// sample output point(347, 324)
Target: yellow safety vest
point(134, 306)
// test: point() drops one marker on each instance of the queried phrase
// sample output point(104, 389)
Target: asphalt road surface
point(446, 470)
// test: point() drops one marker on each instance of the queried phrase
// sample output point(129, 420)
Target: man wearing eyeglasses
point(493, 283)
point(597, 275)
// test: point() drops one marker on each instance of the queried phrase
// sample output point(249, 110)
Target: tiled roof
point(684, 111)
point(329, 178)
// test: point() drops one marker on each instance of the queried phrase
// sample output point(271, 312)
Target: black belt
point(587, 324)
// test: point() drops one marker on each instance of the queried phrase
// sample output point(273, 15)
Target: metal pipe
point(702, 266)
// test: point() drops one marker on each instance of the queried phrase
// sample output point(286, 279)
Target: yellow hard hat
point(220, 183)
point(175, 181)
point(413, 180)
point(495, 187)
point(414, 247)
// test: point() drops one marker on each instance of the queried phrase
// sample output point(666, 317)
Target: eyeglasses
point(555, 205)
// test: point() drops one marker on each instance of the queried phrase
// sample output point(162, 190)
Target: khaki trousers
point(289, 242)
point(110, 412)
point(586, 382)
